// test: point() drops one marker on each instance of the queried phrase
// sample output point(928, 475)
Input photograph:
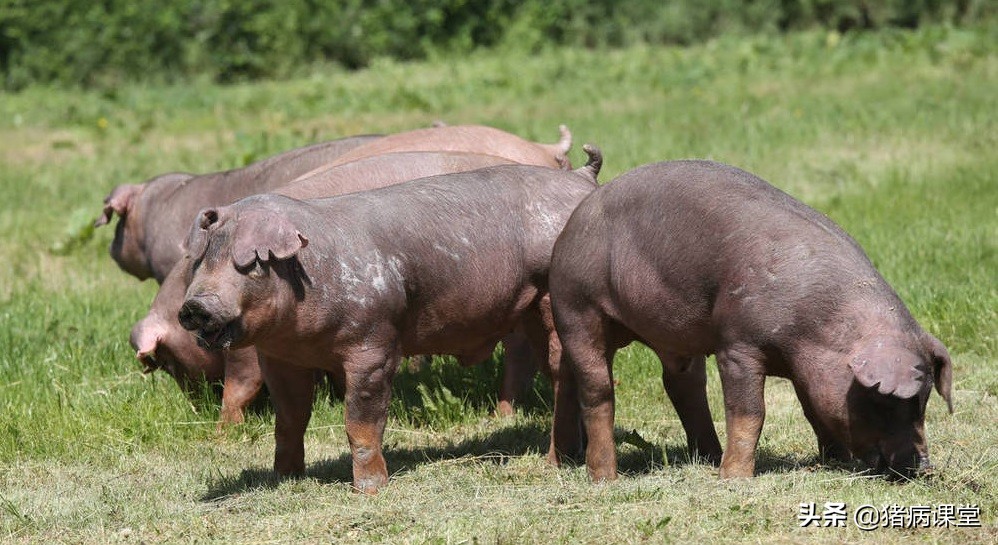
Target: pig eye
point(256, 270)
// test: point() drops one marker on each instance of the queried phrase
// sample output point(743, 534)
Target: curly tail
point(561, 149)
point(593, 165)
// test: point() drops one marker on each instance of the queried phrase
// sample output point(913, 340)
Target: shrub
point(101, 43)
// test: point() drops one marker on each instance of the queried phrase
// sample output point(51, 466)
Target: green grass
point(892, 134)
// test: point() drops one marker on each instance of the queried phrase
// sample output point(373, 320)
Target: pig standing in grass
point(156, 215)
point(695, 258)
point(160, 342)
point(441, 265)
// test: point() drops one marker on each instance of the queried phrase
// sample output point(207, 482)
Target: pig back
point(383, 170)
point(168, 209)
point(461, 138)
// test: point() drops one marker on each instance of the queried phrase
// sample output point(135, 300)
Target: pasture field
point(892, 134)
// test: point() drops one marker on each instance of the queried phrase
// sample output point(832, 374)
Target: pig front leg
point(292, 389)
point(685, 382)
point(829, 447)
point(743, 382)
point(243, 380)
point(369, 376)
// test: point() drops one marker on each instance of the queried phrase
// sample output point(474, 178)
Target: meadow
point(891, 133)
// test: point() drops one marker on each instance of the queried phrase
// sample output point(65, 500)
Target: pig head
point(244, 278)
point(871, 406)
point(160, 343)
point(155, 215)
point(133, 203)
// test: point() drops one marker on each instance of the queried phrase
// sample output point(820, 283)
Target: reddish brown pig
point(161, 343)
point(695, 258)
point(440, 265)
point(154, 216)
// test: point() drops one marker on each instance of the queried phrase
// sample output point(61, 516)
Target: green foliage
point(104, 43)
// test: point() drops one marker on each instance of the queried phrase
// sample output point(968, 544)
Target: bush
point(102, 43)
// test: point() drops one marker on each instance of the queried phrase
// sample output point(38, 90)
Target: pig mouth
point(904, 468)
point(218, 336)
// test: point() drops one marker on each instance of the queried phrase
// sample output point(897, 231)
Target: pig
point(468, 139)
point(154, 215)
point(160, 342)
point(154, 218)
point(694, 258)
point(441, 265)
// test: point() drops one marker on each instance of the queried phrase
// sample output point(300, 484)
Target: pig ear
point(890, 369)
point(264, 236)
point(145, 339)
point(118, 202)
point(197, 239)
point(942, 369)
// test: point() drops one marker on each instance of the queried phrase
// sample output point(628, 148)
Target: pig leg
point(586, 364)
point(243, 380)
point(567, 435)
point(828, 446)
point(743, 383)
point(685, 381)
point(518, 370)
point(369, 376)
point(292, 389)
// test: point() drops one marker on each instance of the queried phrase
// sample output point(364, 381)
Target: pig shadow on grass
point(636, 456)
point(496, 447)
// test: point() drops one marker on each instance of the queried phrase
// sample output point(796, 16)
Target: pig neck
point(875, 317)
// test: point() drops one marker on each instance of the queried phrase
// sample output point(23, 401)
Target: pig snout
point(906, 464)
point(213, 325)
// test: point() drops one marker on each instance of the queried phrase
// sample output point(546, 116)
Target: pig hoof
point(600, 475)
point(736, 472)
point(369, 485)
point(505, 409)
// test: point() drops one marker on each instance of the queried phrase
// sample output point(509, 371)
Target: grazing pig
point(440, 265)
point(468, 139)
point(160, 342)
point(695, 258)
point(154, 216)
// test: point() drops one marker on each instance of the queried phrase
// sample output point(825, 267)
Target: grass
point(892, 134)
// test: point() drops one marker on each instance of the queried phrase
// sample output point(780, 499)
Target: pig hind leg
point(567, 436)
point(685, 382)
point(519, 368)
point(589, 342)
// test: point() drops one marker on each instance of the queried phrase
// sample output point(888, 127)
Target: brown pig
point(440, 265)
point(154, 215)
point(695, 258)
point(161, 343)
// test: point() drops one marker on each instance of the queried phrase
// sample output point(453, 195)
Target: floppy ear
point(118, 202)
point(145, 339)
point(942, 369)
point(197, 239)
point(265, 234)
point(889, 368)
